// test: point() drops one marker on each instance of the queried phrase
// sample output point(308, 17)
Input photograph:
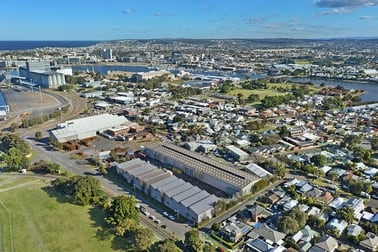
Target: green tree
point(121, 208)
point(346, 213)
point(284, 132)
point(374, 143)
point(193, 241)
point(319, 160)
point(15, 159)
point(143, 239)
point(315, 222)
point(350, 141)
point(38, 134)
point(165, 246)
point(208, 248)
point(287, 224)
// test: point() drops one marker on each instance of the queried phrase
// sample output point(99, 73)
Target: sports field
point(33, 218)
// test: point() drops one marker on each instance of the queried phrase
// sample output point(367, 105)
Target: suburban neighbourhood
point(246, 146)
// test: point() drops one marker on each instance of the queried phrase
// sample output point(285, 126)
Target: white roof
point(257, 170)
point(87, 126)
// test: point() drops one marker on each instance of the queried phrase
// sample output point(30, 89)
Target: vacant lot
point(33, 218)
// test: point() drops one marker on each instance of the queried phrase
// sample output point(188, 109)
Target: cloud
point(128, 11)
point(342, 10)
point(345, 3)
point(160, 14)
point(256, 20)
point(366, 17)
point(343, 6)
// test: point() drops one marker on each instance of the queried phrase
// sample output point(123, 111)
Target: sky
point(147, 19)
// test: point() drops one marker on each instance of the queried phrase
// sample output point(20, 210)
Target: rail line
point(159, 231)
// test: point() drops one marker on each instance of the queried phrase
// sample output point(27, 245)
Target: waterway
point(370, 89)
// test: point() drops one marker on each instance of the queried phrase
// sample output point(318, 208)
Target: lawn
point(41, 221)
point(261, 92)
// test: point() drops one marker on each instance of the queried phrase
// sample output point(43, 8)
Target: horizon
point(193, 19)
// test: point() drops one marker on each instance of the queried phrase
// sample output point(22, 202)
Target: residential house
point(306, 234)
point(370, 243)
point(267, 234)
point(337, 224)
point(325, 244)
point(257, 212)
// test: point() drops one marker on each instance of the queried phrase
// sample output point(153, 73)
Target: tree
point(350, 141)
point(193, 241)
point(315, 222)
point(287, 224)
point(143, 238)
point(165, 246)
point(346, 213)
point(38, 134)
point(83, 190)
point(284, 132)
point(208, 248)
point(15, 159)
point(121, 208)
point(240, 98)
point(319, 160)
point(216, 226)
point(374, 143)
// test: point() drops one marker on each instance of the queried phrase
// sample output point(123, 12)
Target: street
point(44, 152)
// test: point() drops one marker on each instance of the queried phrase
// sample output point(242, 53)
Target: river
point(370, 89)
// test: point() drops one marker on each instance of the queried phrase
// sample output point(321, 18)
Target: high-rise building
point(107, 54)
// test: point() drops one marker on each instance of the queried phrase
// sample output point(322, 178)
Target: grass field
point(261, 92)
point(41, 221)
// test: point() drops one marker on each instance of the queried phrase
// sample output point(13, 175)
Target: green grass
point(261, 92)
point(42, 221)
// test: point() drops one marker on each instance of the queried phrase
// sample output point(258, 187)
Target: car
point(164, 226)
point(157, 221)
point(151, 217)
point(165, 214)
point(171, 217)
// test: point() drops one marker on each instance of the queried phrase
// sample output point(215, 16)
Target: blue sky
point(140, 19)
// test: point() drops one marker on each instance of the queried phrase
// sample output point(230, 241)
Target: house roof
point(371, 241)
point(325, 243)
point(268, 233)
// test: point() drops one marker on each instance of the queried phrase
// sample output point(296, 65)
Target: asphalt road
point(43, 151)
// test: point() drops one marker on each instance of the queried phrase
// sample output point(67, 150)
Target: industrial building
point(211, 172)
point(43, 74)
point(182, 197)
point(236, 153)
point(87, 127)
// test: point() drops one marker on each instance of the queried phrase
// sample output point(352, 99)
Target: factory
point(211, 172)
point(87, 127)
point(44, 75)
point(182, 197)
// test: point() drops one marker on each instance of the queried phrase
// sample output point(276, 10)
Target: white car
point(165, 214)
point(171, 217)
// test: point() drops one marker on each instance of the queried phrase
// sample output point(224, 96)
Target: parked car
point(171, 217)
point(165, 214)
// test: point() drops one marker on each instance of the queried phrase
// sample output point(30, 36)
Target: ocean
point(29, 45)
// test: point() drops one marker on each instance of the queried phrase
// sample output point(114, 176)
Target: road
point(43, 151)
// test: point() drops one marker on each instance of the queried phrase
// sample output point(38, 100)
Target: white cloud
point(159, 14)
point(345, 3)
point(343, 6)
point(128, 11)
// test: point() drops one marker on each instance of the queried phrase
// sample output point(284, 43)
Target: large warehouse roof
point(86, 127)
point(233, 176)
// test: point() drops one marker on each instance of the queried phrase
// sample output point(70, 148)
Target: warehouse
point(87, 127)
point(182, 197)
point(216, 174)
point(236, 153)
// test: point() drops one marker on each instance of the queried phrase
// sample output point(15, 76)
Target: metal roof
point(223, 172)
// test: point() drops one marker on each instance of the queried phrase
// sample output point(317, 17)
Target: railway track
point(159, 231)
